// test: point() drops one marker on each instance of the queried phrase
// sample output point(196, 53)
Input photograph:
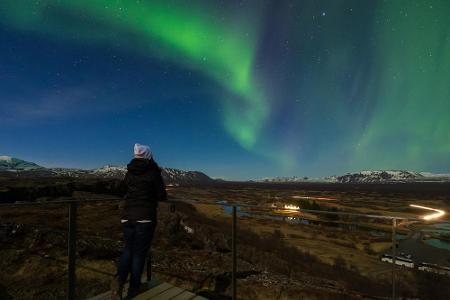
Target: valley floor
point(279, 258)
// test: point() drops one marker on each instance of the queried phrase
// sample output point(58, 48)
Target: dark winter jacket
point(145, 187)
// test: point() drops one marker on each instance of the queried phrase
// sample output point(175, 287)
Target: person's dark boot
point(133, 292)
point(116, 289)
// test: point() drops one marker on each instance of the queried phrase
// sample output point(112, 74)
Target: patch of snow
point(284, 179)
point(6, 158)
point(379, 176)
point(109, 168)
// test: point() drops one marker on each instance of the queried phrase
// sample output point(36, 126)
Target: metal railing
point(72, 231)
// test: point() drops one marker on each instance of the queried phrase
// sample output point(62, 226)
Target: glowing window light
point(291, 207)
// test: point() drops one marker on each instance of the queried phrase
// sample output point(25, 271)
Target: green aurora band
point(412, 109)
point(183, 34)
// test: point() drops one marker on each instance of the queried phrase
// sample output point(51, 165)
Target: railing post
point(233, 252)
point(72, 249)
point(394, 254)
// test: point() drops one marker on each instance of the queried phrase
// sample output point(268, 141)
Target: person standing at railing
point(145, 188)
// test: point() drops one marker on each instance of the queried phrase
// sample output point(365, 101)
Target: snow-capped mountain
point(8, 163)
point(284, 179)
point(69, 172)
point(184, 177)
point(110, 171)
point(378, 177)
point(170, 175)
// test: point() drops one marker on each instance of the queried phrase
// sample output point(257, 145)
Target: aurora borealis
point(239, 89)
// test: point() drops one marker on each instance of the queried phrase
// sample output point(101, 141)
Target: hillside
point(10, 166)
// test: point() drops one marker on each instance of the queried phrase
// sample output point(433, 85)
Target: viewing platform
point(159, 291)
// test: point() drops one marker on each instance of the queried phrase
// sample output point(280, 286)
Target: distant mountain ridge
point(170, 175)
point(10, 166)
point(284, 179)
point(377, 176)
point(10, 163)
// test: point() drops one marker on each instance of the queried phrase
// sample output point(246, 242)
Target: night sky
point(237, 89)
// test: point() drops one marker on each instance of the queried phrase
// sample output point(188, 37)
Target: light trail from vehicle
point(438, 212)
point(313, 198)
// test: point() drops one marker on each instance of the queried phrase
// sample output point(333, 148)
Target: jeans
point(138, 238)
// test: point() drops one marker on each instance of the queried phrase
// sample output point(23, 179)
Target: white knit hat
point(142, 151)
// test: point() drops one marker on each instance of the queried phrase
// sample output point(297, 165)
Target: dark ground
point(273, 262)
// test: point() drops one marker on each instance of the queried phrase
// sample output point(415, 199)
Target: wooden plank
point(107, 295)
point(186, 295)
point(169, 294)
point(199, 298)
point(102, 296)
point(154, 291)
point(163, 291)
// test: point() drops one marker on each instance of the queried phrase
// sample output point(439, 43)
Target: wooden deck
point(162, 291)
